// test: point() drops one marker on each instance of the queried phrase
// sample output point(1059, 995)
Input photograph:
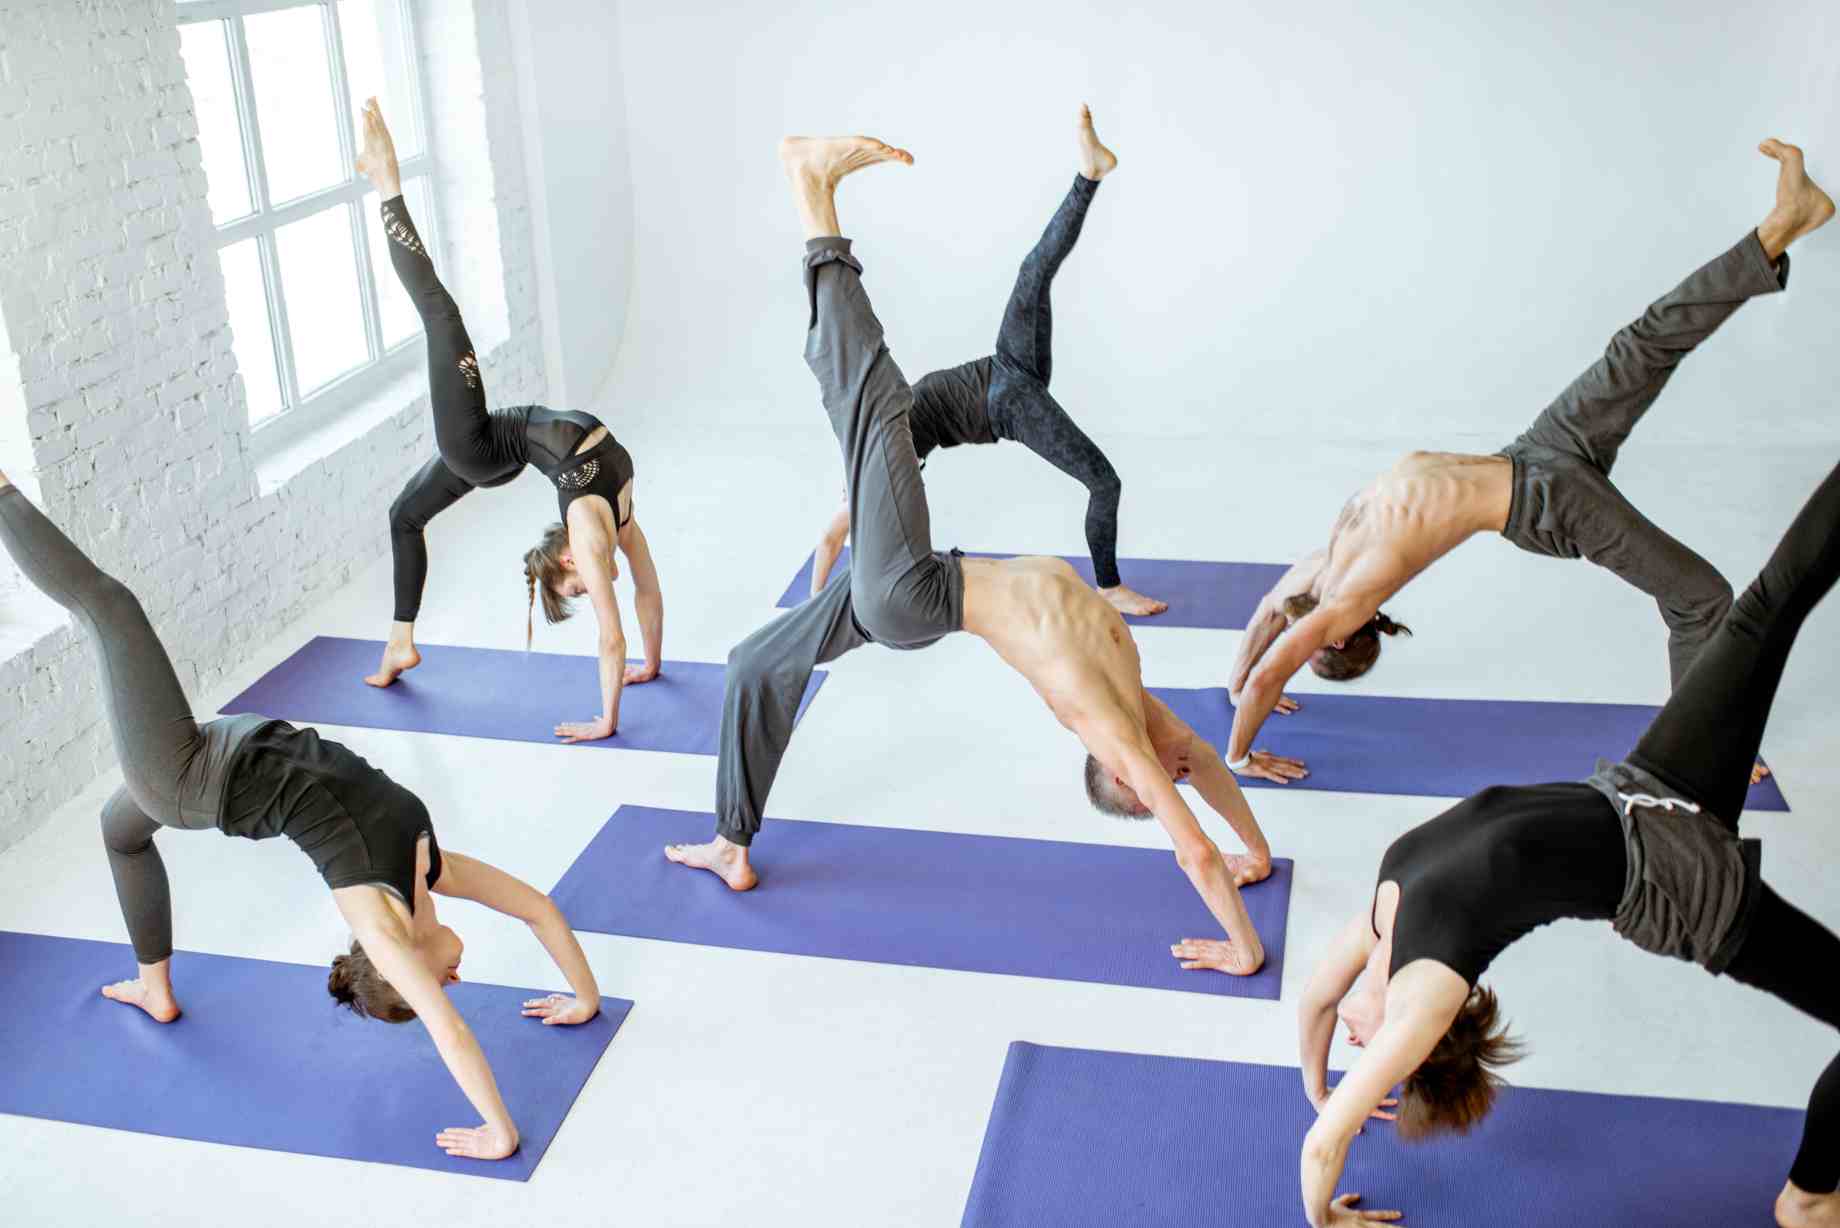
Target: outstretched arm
point(1216, 786)
point(648, 600)
point(1268, 620)
point(465, 878)
point(386, 940)
point(1340, 968)
point(590, 547)
point(1265, 687)
point(830, 545)
point(1421, 1002)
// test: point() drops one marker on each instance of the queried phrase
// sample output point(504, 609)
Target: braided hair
point(543, 571)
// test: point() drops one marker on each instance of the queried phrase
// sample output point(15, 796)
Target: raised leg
point(1025, 339)
point(1595, 415)
point(1705, 739)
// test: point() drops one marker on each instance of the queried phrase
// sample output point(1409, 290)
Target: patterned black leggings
point(1020, 407)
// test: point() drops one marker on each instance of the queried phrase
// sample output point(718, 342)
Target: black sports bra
point(550, 439)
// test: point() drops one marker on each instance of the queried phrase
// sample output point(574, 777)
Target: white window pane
point(319, 276)
point(377, 65)
point(205, 46)
point(251, 337)
point(293, 86)
point(396, 313)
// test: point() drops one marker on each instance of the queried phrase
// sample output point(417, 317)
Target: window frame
point(299, 415)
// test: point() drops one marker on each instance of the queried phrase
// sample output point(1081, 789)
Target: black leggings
point(477, 448)
point(1703, 745)
point(173, 769)
point(1020, 407)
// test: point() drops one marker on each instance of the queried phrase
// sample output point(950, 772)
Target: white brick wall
point(113, 305)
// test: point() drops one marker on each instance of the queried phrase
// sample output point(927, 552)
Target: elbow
point(545, 915)
point(614, 646)
point(1199, 860)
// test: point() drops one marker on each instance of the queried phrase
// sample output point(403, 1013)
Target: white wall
point(580, 180)
point(1338, 217)
point(114, 313)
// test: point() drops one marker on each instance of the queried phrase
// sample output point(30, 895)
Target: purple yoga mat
point(262, 1057)
point(1046, 908)
point(492, 693)
point(1435, 747)
point(1220, 596)
point(1082, 1137)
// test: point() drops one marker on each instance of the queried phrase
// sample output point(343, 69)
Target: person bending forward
point(1037, 613)
point(1549, 492)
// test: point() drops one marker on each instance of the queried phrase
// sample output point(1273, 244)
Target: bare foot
point(1798, 1209)
point(1760, 771)
point(397, 659)
point(825, 160)
point(5, 481)
point(157, 1003)
point(1096, 161)
point(377, 160)
point(1801, 205)
point(726, 860)
point(1128, 601)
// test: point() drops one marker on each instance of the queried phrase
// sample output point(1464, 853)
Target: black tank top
point(1499, 865)
point(360, 827)
point(550, 439)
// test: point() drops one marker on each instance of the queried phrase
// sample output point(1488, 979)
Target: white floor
point(767, 1089)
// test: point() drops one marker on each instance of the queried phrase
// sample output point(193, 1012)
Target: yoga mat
point(492, 693)
point(1220, 596)
point(1435, 747)
point(1045, 908)
point(1082, 1137)
point(262, 1057)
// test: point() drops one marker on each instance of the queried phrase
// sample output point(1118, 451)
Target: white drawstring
point(1632, 800)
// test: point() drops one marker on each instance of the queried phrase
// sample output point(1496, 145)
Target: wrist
point(1240, 764)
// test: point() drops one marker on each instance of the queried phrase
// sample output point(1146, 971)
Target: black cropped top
point(359, 826)
point(550, 439)
point(1497, 866)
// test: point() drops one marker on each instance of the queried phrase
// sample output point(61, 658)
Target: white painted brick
point(113, 301)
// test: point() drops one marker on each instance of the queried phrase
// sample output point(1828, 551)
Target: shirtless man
point(1037, 613)
point(1548, 492)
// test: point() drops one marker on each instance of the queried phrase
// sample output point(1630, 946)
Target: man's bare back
point(1404, 521)
point(1061, 635)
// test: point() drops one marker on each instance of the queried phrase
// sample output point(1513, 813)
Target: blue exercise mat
point(492, 693)
point(1435, 747)
point(890, 895)
point(263, 1057)
point(1220, 596)
point(1080, 1137)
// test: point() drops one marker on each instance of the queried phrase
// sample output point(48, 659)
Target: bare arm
point(589, 544)
point(465, 878)
point(1265, 686)
point(1210, 779)
point(1268, 619)
point(1198, 856)
point(648, 600)
point(386, 940)
point(1421, 1002)
point(830, 545)
point(1340, 968)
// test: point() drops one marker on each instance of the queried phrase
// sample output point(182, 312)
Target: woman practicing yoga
point(1649, 844)
point(369, 838)
point(592, 473)
point(1005, 395)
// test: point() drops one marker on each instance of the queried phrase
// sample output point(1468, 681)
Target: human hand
point(1216, 955)
point(478, 1142)
point(585, 731)
point(1247, 869)
point(635, 674)
point(1378, 1114)
point(1343, 1211)
point(1279, 769)
point(1286, 705)
point(560, 1008)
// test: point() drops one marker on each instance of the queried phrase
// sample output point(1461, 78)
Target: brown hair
point(355, 982)
point(543, 570)
point(1358, 652)
point(1455, 1087)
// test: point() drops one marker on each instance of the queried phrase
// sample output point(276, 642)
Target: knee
point(1105, 485)
point(1707, 607)
point(403, 519)
point(112, 602)
point(125, 829)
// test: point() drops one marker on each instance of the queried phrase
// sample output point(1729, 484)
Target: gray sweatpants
point(174, 770)
point(897, 591)
point(1563, 502)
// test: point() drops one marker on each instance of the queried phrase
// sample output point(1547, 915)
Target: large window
point(278, 86)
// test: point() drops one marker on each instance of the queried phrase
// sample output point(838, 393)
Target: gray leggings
point(897, 591)
point(1564, 504)
point(172, 768)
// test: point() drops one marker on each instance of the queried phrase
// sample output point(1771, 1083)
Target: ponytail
point(543, 571)
point(1386, 626)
